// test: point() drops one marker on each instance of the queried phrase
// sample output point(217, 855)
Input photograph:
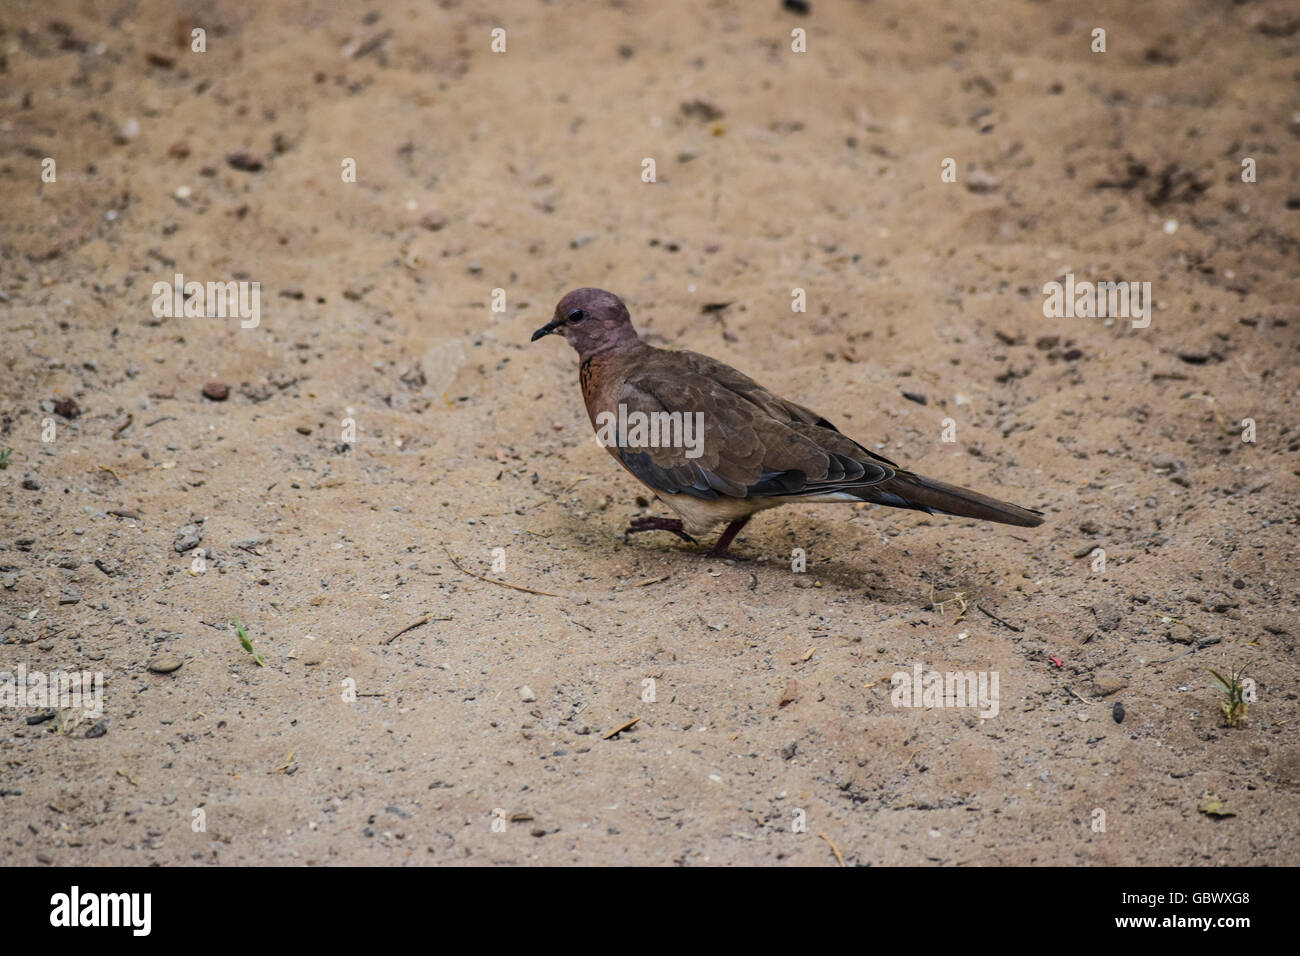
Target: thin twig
point(117, 432)
point(940, 606)
point(504, 584)
point(288, 762)
point(627, 726)
point(371, 45)
point(834, 848)
point(1190, 627)
point(1018, 630)
point(410, 627)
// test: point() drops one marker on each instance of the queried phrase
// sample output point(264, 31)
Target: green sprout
point(1234, 703)
point(248, 645)
point(4, 458)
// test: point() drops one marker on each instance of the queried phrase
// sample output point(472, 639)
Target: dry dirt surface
point(384, 448)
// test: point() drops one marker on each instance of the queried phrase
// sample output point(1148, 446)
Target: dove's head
point(593, 321)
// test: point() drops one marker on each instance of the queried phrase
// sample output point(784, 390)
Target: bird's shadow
point(903, 580)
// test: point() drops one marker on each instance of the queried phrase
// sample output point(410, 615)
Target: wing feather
point(752, 444)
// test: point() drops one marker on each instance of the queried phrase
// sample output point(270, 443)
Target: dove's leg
point(653, 523)
point(733, 529)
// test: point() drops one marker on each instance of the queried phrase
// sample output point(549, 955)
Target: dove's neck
point(612, 345)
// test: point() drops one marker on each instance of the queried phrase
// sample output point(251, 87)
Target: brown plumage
point(755, 450)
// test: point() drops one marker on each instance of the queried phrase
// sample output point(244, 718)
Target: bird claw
point(655, 523)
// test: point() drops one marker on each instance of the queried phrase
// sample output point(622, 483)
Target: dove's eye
point(577, 315)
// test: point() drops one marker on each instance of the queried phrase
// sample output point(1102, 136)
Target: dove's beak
point(547, 329)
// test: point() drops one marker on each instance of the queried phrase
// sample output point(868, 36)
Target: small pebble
point(433, 220)
point(244, 162)
point(165, 664)
point(187, 538)
point(1103, 685)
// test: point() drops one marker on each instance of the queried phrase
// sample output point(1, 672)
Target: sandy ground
point(481, 736)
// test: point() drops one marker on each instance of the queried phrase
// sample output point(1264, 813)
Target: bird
point(734, 448)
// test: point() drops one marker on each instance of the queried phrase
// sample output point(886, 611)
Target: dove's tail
point(906, 490)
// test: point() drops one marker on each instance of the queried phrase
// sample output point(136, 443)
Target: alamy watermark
point(922, 688)
point(221, 300)
point(63, 690)
point(637, 429)
point(130, 910)
point(1098, 300)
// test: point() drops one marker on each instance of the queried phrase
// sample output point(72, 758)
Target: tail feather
point(906, 490)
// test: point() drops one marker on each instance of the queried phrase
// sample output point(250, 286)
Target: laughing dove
point(716, 446)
